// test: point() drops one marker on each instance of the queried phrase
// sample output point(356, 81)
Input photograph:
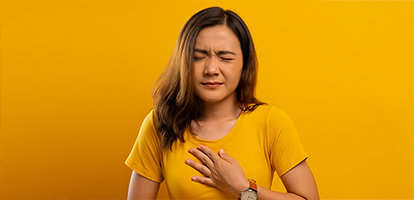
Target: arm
point(224, 172)
point(299, 183)
point(142, 188)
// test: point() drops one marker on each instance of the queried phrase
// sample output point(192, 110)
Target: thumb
point(225, 156)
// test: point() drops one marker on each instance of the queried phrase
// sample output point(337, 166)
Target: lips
point(212, 84)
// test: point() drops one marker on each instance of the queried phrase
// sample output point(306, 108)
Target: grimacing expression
point(218, 63)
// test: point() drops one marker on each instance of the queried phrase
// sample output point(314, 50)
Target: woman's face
point(218, 63)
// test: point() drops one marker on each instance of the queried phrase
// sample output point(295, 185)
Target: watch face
point(249, 195)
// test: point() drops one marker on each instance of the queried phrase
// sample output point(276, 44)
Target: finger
point(201, 168)
point(202, 157)
point(210, 153)
point(226, 156)
point(203, 180)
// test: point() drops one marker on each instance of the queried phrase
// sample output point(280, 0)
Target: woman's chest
point(249, 153)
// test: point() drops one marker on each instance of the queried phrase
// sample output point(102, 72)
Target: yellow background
point(76, 80)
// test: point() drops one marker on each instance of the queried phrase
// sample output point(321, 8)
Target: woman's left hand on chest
point(220, 170)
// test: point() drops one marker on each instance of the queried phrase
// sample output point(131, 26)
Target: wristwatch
point(251, 193)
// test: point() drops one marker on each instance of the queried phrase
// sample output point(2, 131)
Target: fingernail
point(222, 151)
point(194, 178)
point(187, 161)
point(190, 150)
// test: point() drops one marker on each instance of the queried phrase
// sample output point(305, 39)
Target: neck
point(220, 110)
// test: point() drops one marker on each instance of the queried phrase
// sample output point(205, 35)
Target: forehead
point(217, 38)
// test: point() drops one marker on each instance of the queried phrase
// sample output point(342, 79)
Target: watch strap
point(253, 185)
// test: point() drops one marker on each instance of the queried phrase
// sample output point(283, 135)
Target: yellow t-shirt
point(262, 141)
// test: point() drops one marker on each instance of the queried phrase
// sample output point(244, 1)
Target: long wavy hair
point(175, 101)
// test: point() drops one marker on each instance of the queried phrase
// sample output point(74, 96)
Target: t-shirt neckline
point(221, 141)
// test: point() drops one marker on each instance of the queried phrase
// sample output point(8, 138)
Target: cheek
point(238, 73)
point(195, 72)
point(198, 68)
point(234, 78)
point(196, 76)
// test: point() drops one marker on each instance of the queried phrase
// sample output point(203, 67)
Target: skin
point(218, 59)
point(142, 188)
point(217, 69)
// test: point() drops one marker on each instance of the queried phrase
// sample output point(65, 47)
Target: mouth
point(212, 84)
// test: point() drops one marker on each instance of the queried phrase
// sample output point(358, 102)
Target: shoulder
point(270, 112)
point(149, 127)
point(146, 156)
point(272, 117)
point(150, 118)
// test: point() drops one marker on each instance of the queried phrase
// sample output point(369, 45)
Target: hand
point(220, 170)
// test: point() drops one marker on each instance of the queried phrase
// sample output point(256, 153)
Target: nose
point(212, 67)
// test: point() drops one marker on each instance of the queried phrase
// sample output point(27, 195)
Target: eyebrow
point(217, 53)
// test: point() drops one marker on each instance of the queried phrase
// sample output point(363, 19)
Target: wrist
point(251, 192)
point(243, 186)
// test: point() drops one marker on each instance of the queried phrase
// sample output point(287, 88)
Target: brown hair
point(175, 101)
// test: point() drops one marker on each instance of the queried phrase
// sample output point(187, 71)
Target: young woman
point(208, 136)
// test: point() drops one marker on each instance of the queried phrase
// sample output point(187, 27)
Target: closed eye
point(198, 58)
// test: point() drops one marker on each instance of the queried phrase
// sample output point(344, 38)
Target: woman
point(208, 136)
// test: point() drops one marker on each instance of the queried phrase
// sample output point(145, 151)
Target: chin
point(216, 98)
point(211, 99)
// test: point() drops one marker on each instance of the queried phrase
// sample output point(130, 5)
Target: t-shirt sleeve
point(146, 157)
point(286, 149)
